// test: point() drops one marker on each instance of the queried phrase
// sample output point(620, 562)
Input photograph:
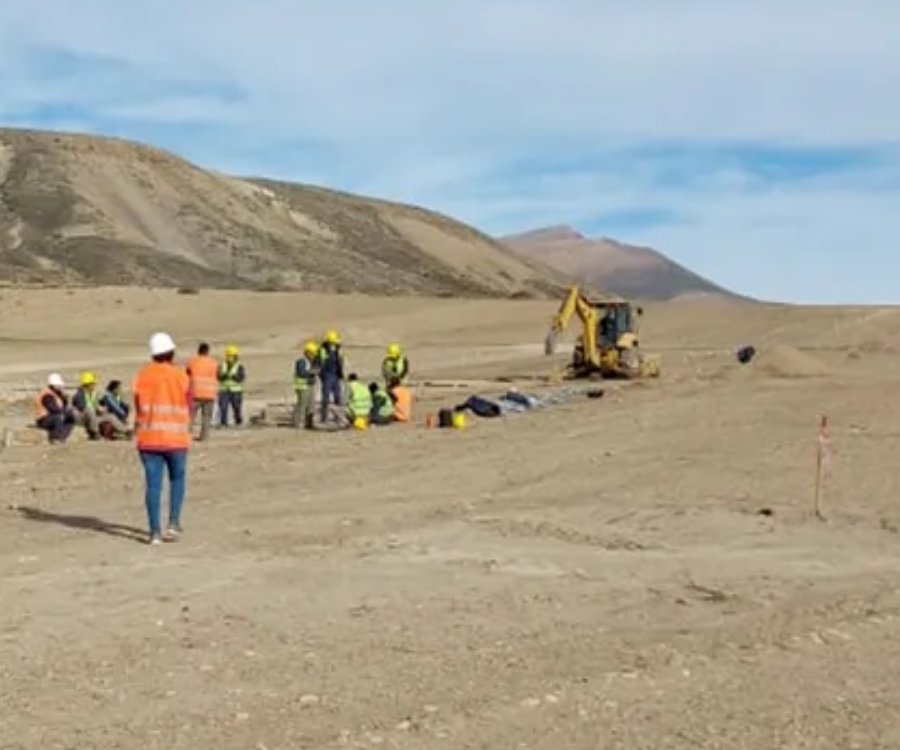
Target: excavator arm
point(575, 304)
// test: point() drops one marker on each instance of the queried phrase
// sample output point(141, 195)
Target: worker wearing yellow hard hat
point(306, 371)
point(231, 376)
point(331, 373)
point(89, 412)
point(394, 367)
point(359, 402)
point(84, 404)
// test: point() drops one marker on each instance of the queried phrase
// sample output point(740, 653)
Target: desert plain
point(637, 571)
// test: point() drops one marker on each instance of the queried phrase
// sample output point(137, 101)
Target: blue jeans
point(235, 401)
point(156, 464)
point(332, 393)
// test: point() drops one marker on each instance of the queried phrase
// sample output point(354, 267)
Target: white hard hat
point(161, 343)
point(55, 380)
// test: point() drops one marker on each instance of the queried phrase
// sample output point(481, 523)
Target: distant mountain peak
point(611, 265)
point(555, 233)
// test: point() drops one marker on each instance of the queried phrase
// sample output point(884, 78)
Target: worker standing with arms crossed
point(203, 371)
point(232, 375)
point(162, 406)
point(306, 371)
point(331, 372)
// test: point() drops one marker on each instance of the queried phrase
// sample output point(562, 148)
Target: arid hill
point(629, 270)
point(84, 210)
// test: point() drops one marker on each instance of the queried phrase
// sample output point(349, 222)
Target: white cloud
point(435, 102)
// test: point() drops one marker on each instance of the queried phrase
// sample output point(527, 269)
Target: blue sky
point(757, 143)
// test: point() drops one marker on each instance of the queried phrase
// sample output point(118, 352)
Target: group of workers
point(103, 415)
point(167, 400)
point(343, 401)
point(343, 398)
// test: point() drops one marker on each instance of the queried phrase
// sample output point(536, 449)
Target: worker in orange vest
point(53, 413)
point(402, 397)
point(203, 371)
point(163, 407)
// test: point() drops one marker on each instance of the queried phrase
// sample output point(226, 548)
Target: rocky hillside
point(631, 271)
point(84, 210)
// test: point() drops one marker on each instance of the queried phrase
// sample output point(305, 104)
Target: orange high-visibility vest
point(203, 370)
point(402, 403)
point(40, 411)
point(163, 418)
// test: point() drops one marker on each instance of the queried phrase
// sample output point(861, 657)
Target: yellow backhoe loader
point(608, 345)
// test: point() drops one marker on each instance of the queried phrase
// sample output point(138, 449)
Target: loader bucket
point(650, 367)
point(550, 344)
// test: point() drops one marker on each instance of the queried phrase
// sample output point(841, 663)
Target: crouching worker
point(382, 406)
point(88, 411)
point(53, 414)
point(359, 400)
point(402, 398)
point(114, 418)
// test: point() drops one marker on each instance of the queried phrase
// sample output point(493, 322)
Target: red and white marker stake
point(821, 461)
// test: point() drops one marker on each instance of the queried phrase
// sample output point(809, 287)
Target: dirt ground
point(636, 571)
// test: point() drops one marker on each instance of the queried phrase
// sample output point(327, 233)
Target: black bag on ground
point(445, 418)
point(518, 398)
point(481, 407)
point(745, 354)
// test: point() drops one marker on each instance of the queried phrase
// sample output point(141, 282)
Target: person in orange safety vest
point(402, 397)
point(163, 404)
point(53, 413)
point(203, 371)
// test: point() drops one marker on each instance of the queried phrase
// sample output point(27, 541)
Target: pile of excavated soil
point(787, 362)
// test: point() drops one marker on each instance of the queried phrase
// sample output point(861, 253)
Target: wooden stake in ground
point(821, 459)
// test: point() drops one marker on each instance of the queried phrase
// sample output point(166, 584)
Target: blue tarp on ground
point(515, 402)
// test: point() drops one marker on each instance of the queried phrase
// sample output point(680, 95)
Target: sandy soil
point(638, 571)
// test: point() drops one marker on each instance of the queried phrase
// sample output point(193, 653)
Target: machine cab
point(617, 324)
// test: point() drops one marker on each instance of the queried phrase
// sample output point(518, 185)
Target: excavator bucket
point(550, 344)
point(650, 367)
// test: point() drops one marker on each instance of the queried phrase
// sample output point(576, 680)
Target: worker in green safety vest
point(231, 377)
point(91, 414)
point(359, 400)
point(382, 405)
point(395, 366)
point(306, 371)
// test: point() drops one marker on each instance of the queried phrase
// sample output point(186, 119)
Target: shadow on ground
point(88, 523)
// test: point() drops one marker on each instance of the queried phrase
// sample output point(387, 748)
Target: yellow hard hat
point(360, 423)
point(311, 347)
point(231, 351)
point(88, 378)
point(332, 337)
point(394, 350)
